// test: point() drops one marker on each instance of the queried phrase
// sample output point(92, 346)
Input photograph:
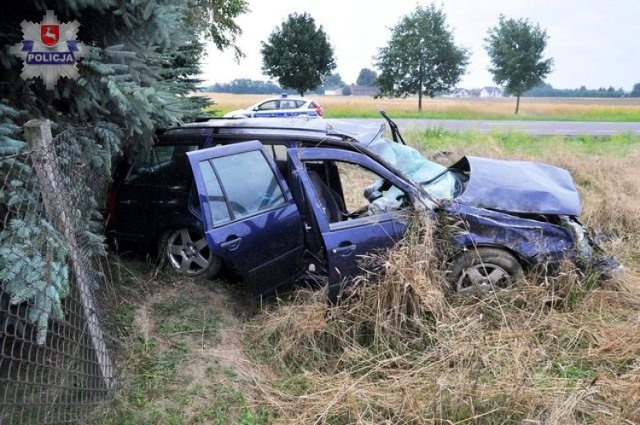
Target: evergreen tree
point(140, 67)
point(298, 54)
point(635, 92)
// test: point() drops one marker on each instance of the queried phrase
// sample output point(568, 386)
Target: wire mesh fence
point(55, 355)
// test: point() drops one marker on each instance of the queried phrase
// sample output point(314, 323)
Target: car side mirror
point(255, 109)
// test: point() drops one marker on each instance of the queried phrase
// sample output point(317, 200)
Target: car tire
point(186, 251)
point(484, 269)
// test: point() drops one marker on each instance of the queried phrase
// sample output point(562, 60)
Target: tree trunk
point(518, 105)
point(420, 91)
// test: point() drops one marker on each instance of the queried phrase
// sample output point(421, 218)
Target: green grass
point(179, 316)
point(613, 115)
point(517, 143)
point(159, 384)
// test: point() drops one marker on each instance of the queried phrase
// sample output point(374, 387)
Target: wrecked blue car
point(343, 191)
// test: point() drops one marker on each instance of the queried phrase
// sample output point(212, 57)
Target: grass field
point(622, 110)
point(556, 351)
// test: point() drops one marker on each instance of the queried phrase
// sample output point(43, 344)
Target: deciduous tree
point(516, 49)
point(367, 77)
point(421, 57)
point(298, 53)
point(332, 81)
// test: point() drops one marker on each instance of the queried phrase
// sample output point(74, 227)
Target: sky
point(593, 42)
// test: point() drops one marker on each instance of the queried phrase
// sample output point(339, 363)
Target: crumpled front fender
point(534, 242)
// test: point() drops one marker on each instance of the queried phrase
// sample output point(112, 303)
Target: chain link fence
point(55, 360)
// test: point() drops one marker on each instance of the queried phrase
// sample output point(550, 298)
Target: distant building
point(364, 91)
point(460, 93)
point(491, 92)
point(474, 92)
point(333, 92)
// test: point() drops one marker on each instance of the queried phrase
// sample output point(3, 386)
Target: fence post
point(38, 135)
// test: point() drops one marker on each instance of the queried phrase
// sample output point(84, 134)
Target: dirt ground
point(186, 363)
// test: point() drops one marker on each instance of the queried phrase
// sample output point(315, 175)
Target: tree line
point(366, 78)
point(421, 58)
point(547, 90)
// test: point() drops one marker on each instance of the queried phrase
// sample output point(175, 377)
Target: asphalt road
point(536, 128)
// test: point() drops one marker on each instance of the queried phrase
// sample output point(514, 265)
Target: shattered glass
point(417, 168)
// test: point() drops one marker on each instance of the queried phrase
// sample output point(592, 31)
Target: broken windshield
point(433, 177)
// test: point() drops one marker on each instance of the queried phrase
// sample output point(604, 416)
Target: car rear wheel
point(484, 270)
point(187, 252)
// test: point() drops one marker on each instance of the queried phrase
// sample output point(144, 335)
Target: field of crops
point(570, 109)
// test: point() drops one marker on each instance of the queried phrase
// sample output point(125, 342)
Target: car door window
point(243, 195)
point(162, 166)
point(269, 106)
point(356, 193)
point(217, 203)
point(287, 104)
point(367, 193)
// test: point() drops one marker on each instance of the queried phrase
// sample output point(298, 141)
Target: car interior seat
point(327, 198)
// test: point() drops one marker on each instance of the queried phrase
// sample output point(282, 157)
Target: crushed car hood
point(518, 187)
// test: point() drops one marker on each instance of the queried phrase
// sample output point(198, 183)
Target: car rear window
point(288, 104)
point(162, 166)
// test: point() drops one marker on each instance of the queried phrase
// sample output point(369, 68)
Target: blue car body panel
point(533, 241)
point(518, 187)
point(267, 246)
point(346, 242)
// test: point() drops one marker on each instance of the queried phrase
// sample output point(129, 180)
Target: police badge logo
point(49, 50)
point(49, 34)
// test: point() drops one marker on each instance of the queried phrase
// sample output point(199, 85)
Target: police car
point(280, 107)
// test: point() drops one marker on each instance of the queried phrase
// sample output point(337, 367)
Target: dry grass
point(403, 350)
point(531, 108)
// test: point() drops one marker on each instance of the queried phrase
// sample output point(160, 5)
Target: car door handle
point(232, 244)
point(344, 250)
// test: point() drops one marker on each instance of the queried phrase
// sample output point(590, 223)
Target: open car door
point(250, 217)
point(348, 234)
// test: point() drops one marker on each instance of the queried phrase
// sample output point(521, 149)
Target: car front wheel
point(484, 270)
point(187, 252)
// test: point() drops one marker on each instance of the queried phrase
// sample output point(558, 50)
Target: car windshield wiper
point(395, 131)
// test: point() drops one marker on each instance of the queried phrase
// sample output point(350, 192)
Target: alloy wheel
point(188, 252)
